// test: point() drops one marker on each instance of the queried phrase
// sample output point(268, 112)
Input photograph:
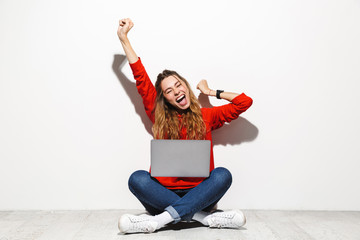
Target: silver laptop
point(180, 158)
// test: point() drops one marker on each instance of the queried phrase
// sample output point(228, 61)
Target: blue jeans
point(181, 204)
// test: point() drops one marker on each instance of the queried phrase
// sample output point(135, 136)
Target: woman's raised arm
point(239, 103)
point(124, 27)
point(204, 88)
point(143, 82)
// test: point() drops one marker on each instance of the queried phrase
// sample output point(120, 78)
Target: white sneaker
point(129, 223)
point(230, 219)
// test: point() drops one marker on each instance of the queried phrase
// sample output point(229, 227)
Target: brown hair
point(167, 125)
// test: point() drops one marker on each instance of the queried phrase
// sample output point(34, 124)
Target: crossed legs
point(175, 205)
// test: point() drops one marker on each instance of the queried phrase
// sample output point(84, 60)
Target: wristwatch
point(218, 93)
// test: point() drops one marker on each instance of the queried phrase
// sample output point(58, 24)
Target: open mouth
point(182, 101)
point(179, 99)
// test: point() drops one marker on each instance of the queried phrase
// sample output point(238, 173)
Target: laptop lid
point(180, 158)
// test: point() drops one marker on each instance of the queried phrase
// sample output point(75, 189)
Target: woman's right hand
point(124, 27)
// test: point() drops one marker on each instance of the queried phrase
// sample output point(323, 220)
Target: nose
point(176, 91)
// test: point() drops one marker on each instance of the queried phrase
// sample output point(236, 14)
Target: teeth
point(180, 98)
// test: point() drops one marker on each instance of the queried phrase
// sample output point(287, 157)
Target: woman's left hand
point(203, 87)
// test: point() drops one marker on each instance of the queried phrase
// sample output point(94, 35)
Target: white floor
point(102, 224)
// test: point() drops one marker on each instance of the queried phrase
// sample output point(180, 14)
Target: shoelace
point(223, 220)
point(140, 223)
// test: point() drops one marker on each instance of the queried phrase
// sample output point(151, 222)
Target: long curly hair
point(167, 124)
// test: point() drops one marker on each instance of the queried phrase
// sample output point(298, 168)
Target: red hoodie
point(214, 118)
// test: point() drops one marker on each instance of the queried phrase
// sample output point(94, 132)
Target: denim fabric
point(181, 204)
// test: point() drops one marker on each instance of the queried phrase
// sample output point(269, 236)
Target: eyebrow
point(170, 87)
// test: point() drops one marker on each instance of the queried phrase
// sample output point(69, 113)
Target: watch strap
point(218, 92)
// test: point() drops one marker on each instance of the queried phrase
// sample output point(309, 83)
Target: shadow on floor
point(181, 225)
point(184, 226)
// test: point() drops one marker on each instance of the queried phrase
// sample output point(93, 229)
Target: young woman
point(176, 114)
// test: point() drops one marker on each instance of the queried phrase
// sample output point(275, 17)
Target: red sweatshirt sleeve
point(145, 87)
point(229, 112)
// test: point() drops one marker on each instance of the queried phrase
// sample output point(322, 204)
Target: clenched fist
point(203, 87)
point(124, 27)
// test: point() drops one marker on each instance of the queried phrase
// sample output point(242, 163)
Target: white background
point(72, 126)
